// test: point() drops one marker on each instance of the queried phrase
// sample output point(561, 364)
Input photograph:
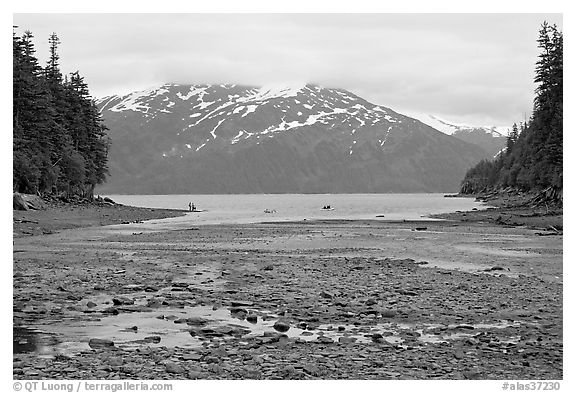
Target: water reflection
point(27, 340)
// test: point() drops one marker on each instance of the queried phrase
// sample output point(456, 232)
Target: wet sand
point(359, 300)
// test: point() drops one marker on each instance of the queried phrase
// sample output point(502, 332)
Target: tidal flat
point(326, 299)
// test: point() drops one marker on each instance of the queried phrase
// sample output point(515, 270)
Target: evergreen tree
point(60, 143)
point(31, 119)
point(511, 139)
point(534, 158)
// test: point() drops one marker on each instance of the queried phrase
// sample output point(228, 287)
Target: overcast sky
point(474, 69)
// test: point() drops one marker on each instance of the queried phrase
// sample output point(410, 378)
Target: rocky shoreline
point(54, 216)
point(316, 300)
point(513, 209)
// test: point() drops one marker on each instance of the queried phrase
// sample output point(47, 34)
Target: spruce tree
point(60, 143)
point(534, 158)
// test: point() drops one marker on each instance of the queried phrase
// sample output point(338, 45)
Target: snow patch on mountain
point(200, 91)
point(272, 91)
point(250, 109)
point(450, 127)
point(135, 101)
point(218, 125)
point(209, 108)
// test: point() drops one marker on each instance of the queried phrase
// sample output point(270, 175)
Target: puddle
point(172, 327)
point(26, 340)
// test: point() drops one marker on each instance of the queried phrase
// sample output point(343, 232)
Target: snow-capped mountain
point(491, 139)
point(450, 127)
point(284, 138)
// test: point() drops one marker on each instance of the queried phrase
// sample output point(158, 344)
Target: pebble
point(325, 340)
point(196, 375)
point(174, 368)
point(192, 356)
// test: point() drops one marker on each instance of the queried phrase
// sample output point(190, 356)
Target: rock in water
point(281, 326)
point(252, 318)
point(97, 343)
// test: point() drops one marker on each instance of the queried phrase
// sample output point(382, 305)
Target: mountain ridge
point(297, 138)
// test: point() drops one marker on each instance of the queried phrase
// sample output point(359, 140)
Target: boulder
point(18, 202)
point(281, 326)
point(252, 318)
point(238, 310)
point(97, 343)
point(34, 202)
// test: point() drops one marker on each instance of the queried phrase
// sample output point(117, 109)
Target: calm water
point(287, 207)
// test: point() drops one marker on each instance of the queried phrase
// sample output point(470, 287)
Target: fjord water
point(250, 208)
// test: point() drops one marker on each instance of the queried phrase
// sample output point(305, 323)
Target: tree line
point(60, 145)
point(532, 159)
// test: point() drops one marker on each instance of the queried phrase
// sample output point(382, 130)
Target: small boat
point(269, 211)
point(327, 208)
point(197, 211)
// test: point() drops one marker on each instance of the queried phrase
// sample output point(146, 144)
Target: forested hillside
point(533, 157)
point(60, 145)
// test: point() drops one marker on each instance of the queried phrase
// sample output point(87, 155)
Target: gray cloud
point(477, 67)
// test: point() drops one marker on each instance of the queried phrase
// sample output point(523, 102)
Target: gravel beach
point(332, 299)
